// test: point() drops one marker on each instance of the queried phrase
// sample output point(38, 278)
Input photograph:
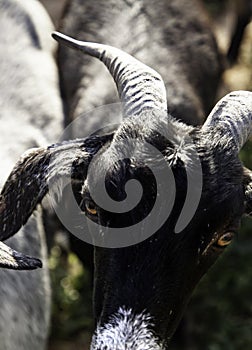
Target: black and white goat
point(30, 116)
point(141, 290)
point(174, 36)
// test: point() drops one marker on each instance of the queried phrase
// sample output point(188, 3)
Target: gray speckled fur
point(30, 116)
point(173, 37)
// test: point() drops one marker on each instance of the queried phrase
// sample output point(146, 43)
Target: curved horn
point(139, 86)
point(234, 114)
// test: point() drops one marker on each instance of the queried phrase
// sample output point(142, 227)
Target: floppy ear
point(247, 181)
point(11, 259)
point(29, 179)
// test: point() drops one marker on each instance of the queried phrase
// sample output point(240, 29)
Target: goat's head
point(142, 289)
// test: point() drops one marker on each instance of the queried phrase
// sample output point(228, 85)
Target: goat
point(141, 290)
point(31, 116)
point(167, 35)
point(177, 30)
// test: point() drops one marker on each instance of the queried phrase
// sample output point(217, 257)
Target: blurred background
point(219, 316)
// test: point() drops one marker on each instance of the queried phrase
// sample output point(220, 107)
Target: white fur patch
point(126, 331)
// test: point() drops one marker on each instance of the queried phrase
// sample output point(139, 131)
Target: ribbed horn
point(139, 86)
point(234, 114)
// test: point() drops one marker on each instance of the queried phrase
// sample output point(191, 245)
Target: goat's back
point(173, 37)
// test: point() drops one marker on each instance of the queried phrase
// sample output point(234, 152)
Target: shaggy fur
point(126, 331)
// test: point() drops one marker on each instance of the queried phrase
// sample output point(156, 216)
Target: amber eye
point(90, 207)
point(225, 239)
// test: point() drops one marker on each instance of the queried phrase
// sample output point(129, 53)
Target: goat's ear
point(23, 190)
point(247, 181)
point(11, 259)
point(28, 182)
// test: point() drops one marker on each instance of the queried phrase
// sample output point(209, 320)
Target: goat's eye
point(90, 207)
point(225, 239)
